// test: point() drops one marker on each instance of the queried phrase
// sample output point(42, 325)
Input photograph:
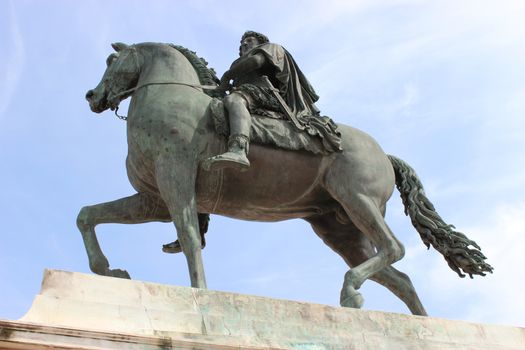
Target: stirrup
point(232, 160)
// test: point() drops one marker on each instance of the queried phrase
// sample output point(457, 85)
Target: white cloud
point(435, 31)
point(410, 96)
point(509, 122)
point(498, 297)
point(366, 51)
point(15, 59)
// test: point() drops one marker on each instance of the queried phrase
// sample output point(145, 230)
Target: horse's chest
point(148, 141)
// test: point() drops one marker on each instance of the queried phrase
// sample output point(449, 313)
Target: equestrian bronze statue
point(337, 178)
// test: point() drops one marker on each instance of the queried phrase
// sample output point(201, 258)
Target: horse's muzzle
point(89, 95)
point(97, 105)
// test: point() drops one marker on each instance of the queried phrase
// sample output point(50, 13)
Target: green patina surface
point(181, 167)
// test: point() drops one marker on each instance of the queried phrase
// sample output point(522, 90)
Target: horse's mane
point(207, 76)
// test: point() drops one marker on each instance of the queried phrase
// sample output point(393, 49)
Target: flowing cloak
point(299, 95)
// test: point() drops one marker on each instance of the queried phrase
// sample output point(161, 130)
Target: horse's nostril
point(89, 94)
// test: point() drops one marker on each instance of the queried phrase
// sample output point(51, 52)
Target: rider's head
point(250, 39)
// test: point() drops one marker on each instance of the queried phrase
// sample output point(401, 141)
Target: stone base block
point(81, 311)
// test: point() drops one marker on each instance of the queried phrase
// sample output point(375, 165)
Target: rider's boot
point(174, 247)
point(238, 145)
point(236, 156)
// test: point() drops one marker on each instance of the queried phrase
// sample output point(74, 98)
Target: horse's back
point(362, 167)
point(282, 184)
point(356, 142)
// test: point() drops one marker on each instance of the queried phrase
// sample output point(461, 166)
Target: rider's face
point(247, 44)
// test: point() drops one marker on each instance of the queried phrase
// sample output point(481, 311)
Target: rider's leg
point(238, 143)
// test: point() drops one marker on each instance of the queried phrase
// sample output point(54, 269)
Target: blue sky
point(439, 84)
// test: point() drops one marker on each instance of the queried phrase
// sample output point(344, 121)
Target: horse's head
point(121, 74)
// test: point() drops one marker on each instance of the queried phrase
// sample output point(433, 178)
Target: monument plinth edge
point(83, 311)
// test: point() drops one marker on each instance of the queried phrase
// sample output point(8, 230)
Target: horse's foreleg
point(174, 247)
point(177, 188)
point(135, 209)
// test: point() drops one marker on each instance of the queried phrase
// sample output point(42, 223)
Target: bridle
point(112, 96)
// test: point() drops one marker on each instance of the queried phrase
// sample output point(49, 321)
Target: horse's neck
point(165, 71)
point(167, 65)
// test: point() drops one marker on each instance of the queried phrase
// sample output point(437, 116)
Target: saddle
point(266, 130)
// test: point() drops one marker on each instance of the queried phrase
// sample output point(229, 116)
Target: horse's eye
point(111, 58)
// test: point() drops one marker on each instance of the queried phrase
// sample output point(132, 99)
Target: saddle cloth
point(268, 131)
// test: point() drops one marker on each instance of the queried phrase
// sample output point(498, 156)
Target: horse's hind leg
point(352, 245)
point(401, 285)
point(135, 209)
point(364, 210)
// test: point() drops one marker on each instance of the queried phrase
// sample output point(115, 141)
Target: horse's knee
point(83, 219)
point(194, 240)
point(190, 241)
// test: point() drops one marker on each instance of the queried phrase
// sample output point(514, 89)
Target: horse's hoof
point(100, 266)
point(354, 300)
point(119, 273)
point(172, 248)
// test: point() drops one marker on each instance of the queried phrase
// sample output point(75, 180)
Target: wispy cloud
point(496, 298)
point(15, 60)
point(410, 95)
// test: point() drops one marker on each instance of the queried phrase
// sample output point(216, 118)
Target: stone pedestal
point(80, 311)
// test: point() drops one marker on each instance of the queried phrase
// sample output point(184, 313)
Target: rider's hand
point(224, 86)
point(225, 81)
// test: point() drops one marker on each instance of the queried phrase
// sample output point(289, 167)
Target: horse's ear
point(119, 46)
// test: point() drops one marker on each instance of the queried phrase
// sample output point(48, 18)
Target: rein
point(132, 90)
point(206, 87)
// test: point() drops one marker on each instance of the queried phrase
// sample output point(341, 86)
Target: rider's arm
point(244, 65)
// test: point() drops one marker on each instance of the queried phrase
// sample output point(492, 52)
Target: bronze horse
point(342, 195)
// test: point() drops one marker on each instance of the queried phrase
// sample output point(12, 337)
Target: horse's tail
point(453, 245)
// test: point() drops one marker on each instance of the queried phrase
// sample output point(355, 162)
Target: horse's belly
point(279, 185)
